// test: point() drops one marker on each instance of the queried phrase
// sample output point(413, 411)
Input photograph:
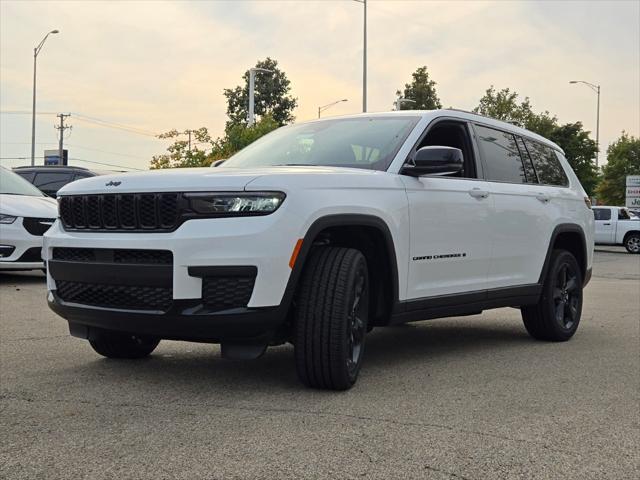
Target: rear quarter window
point(547, 164)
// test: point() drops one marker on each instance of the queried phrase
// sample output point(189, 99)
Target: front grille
point(120, 212)
point(222, 293)
point(107, 255)
point(37, 226)
point(115, 296)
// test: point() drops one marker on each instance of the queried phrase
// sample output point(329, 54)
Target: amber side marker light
point(294, 254)
point(587, 202)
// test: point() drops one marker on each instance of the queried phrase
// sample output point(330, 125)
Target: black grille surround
point(127, 212)
point(37, 226)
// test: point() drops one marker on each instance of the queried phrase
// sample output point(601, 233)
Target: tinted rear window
point(51, 181)
point(547, 164)
point(501, 155)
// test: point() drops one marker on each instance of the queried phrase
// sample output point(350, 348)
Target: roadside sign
point(632, 196)
point(52, 157)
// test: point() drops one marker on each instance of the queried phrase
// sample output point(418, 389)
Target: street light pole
point(329, 105)
point(595, 88)
point(364, 57)
point(36, 51)
point(252, 86)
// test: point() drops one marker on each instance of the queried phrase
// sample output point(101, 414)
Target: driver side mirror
point(435, 160)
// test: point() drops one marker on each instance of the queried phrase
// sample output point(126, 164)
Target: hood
point(219, 179)
point(27, 206)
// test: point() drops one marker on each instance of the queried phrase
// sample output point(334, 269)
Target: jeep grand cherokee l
point(320, 231)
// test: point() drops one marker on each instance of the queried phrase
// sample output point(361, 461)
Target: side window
point(602, 213)
point(529, 171)
point(449, 133)
point(547, 165)
point(623, 214)
point(501, 155)
point(51, 182)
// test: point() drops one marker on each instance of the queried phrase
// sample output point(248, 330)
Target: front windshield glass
point(363, 142)
point(13, 184)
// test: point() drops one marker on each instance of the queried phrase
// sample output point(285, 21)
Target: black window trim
point(466, 124)
point(526, 152)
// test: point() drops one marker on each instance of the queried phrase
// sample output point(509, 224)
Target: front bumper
point(200, 249)
point(186, 320)
point(26, 254)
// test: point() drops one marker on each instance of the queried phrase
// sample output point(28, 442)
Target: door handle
point(477, 193)
point(544, 198)
point(606, 224)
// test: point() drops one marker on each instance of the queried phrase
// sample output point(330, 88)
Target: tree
point(236, 137)
point(580, 150)
point(180, 154)
point(503, 105)
point(272, 96)
point(623, 158)
point(422, 90)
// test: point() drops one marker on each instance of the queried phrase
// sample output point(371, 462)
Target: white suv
point(320, 231)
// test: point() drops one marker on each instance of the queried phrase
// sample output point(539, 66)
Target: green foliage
point(422, 90)
point(178, 153)
point(236, 137)
point(623, 158)
point(272, 96)
point(580, 150)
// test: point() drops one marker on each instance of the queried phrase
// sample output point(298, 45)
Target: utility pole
point(62, 127)
point(188, 132)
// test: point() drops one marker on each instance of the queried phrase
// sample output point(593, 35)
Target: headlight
point(235, 204)
point(6, 219)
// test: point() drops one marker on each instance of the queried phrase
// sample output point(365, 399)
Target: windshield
point(363, 142)
point(13, 184)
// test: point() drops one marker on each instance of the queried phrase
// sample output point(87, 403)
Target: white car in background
point(617, 226)
point(25, 214)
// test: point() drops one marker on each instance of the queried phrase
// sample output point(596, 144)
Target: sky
point(151, 66)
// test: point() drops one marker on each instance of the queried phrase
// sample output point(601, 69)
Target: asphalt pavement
point(457, 398)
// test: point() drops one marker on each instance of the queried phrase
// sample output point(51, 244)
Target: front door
point(604, 225)
point(450, 222)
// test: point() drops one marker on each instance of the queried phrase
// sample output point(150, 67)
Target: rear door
point(524, 209)
point(605, 225)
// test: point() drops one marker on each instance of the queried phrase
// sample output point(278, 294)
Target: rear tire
point(121, 345)
point(632, 243)
point(557, 314)
point(330, 318)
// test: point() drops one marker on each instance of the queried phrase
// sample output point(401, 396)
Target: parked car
point(617, 226)
point(25, 214)
point(50, 179)
point(320, 231)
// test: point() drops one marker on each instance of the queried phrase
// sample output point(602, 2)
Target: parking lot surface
point(460, 398)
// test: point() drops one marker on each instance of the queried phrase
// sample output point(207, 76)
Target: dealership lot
point(470, 397)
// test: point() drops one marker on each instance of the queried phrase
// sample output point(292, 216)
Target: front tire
point(121, 345)
point(557, 314)
point(632, 243)
point(332, 306)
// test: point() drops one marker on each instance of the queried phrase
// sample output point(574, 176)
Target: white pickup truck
point(617, 226)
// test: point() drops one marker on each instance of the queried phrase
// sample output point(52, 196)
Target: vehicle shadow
point(199, 369)
point(21, 277)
